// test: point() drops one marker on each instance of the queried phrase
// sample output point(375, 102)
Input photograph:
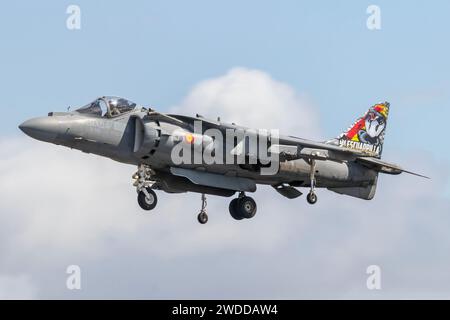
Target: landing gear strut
point(312, 197)
point(203, 216)
point(242, 207)
point(147, 198)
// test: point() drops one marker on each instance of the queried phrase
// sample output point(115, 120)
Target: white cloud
point(254, 99)
point(61, 207)
point(62, 198)
point(16, 287)
point(72, 201)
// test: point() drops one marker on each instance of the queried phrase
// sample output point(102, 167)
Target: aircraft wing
point(319, 150)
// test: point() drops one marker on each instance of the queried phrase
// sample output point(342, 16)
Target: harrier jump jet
point(154, 142)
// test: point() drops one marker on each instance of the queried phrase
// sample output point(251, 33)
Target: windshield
point(119, 105)
point(94, 108)
point(108, 106)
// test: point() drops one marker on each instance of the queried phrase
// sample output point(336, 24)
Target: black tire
point(202, 218)
point(233, 210)
point(311, 198)
point(147, 203)
point(246, 207)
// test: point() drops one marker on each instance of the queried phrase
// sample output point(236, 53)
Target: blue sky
point(154, 53)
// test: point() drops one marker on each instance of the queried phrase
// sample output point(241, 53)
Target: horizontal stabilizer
point(384, 167)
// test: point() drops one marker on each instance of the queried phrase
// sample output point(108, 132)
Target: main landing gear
point(242, 207)
point(147, 198)
point(312, 197)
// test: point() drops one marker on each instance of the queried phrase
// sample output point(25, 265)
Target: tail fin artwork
point(367, 133)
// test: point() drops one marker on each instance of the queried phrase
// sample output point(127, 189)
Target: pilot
point(114, 109)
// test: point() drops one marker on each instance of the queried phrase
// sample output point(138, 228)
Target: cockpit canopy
point(108, 107)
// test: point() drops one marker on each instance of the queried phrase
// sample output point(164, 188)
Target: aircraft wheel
point(233, 210)
point(246, 207)
point(311, 198)
point(202, 217)
point(147, 202)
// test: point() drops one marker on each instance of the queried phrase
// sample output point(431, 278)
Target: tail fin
point(367, 133)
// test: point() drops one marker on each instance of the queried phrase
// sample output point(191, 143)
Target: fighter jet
point(178, 153)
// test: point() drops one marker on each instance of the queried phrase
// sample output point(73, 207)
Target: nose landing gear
point(147, 198)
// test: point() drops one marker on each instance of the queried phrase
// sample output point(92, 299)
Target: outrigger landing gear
point(242, 207)
point(312, 197)
point(203, 216)
point(147, 198)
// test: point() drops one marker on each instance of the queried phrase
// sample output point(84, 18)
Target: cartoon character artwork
point(367, 133)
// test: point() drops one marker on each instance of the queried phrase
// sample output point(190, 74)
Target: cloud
point(17, 287)
point(61, 207)
point(76, 200)
point(254, 99)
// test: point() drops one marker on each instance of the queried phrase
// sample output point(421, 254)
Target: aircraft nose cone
point(44, 129)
